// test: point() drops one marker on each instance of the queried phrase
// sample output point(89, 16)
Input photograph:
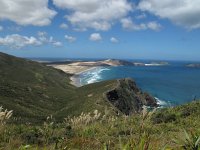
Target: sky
point(121, 29)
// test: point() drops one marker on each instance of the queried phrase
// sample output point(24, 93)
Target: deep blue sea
point(172, 85)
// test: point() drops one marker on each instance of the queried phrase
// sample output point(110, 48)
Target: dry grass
point(97, 131)
point(83, 120)
point(4, 115)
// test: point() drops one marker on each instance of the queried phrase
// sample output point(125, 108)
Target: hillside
point(34, 91)
point(31, 88)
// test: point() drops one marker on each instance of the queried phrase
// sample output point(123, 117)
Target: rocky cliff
point(128, 98)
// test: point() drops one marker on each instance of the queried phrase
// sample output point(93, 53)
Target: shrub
point(188, 141)
point(163, 118)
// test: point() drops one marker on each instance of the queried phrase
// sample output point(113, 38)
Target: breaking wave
point(93, 75)
point(163, 103)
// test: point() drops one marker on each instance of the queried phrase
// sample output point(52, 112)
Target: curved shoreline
point(75, 79)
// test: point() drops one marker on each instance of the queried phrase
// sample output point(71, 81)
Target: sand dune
point(80, 66)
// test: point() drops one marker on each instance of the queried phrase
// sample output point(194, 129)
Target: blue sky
point(145, 29)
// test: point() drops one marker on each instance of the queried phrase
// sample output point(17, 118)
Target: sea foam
point(162, 103)
point(93, 75)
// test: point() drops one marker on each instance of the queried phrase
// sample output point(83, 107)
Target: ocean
point(172, 85)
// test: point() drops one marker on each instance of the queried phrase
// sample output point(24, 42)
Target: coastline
point(75, 79)
point(75, 69)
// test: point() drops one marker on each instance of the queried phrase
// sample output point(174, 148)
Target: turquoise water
point(173, 84)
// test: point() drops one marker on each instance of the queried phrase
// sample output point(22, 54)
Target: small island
point(193, 65)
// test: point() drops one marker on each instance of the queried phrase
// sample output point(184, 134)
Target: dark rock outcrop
point(128, 98)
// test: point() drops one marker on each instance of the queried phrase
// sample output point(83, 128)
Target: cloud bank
point(128, 24)
point(95, 14)
point(19, 41)
point(181, 12)
point(26, 12)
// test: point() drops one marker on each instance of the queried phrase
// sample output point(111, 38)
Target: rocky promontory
point(128, 98)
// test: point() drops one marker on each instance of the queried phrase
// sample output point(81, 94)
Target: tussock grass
point(4, 115)
point(95, 130)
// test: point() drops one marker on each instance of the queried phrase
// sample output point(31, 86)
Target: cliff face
point(128, 98)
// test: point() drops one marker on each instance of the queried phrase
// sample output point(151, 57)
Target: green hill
point(35, 91)
point(32, 89)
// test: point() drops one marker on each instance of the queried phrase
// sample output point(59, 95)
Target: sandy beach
point(71, 69)
point(75, 79)
point(79, 66)
point(75, 69)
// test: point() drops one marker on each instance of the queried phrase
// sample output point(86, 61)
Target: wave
point(93, 75)
point(154, 64)
point(163, 103)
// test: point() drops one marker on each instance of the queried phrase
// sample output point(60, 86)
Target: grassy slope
point(35, 91)
point(89, 98)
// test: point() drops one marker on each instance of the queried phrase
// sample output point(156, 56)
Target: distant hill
point(34, 91)
point(115, 62)
point(108, 62)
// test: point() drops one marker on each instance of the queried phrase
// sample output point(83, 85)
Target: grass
point(97, 131)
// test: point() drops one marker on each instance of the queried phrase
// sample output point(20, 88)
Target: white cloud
point(18, 41)
point(57, 44)
point(128, 24)
point(64, 26)
point(154, 26)
point(54, 42)
point(26, 12)
point(182, 12)
point(95, 37)
point(1, 28)
point(42, 33)
point(45, 39)
point(80, 29)
point(70, 38)
point(114, 40)
point(141, 16)
point(96, 14)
